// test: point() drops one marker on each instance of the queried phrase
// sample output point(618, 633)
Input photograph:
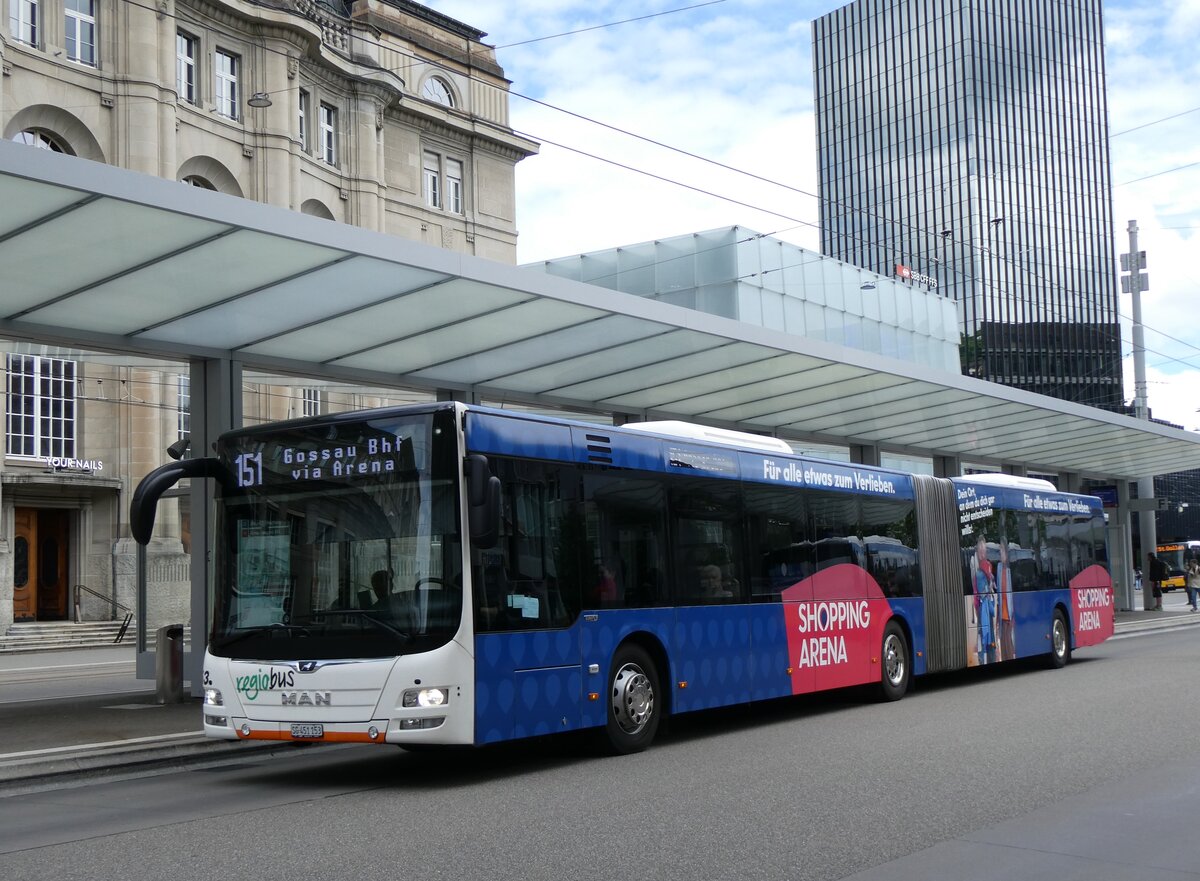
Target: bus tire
point(1060, 642)
point(634, 701)
point(895, 663)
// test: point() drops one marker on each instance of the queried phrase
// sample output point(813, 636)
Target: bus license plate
point(310, 731)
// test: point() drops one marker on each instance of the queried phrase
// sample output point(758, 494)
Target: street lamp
point(260, 99)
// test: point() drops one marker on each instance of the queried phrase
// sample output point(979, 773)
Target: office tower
point(963, 144)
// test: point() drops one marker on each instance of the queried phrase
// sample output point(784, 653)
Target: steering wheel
point(441, 582)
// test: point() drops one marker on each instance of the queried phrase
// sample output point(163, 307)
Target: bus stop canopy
point(97, 256)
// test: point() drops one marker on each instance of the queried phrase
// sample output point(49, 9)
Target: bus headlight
point(212, 698)
point(426, 697)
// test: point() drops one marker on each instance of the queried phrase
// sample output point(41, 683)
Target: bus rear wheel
point(896, 670)
point(634, 704)
point(1060, 641)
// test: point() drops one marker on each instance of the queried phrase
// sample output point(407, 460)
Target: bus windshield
point(1172, 555)
point(340, 539)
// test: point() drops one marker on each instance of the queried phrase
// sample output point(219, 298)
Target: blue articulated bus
point(452, 574)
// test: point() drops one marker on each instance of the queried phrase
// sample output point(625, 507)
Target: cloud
point(733, 82)
point(1152, 76)
point(710, 84)
point(1184, 21)
point(1173, 396)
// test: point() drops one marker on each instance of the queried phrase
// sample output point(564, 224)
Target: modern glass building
point(966, 141)
point(737, 273)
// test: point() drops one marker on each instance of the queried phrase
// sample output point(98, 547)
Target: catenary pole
point(1146, 525)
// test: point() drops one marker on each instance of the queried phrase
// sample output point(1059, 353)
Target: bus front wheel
point(634, 702)
point(1060, 641)
point(894, 661)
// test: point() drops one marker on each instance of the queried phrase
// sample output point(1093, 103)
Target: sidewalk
point(72, 712)
point(1174, 614)
point(70, 732)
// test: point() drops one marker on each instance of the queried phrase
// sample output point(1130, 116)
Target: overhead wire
point(450, 69)
point(800, 222)
point(617, 129)
point(981, 247)
point(610, 24)
point(965, 276)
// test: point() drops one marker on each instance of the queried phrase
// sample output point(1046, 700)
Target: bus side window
point(1056, 552)
point(890, 540)
point(623, 541)
point(783, 554)
point(836, 529)
point(1021, 531)
point(491, 591)
point(706, 529)
point(531, 579)
point(1083, 544)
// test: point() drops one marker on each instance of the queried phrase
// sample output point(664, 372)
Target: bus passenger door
point(712, 645)
point(527, 671)
point(546, 697)
point(526, 589)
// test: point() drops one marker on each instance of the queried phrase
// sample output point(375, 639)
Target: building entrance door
point(40, 543)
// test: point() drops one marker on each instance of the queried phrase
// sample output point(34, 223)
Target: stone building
point(379, 113)
point(385, 115)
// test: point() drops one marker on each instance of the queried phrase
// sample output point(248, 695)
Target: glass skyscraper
point(963, 144)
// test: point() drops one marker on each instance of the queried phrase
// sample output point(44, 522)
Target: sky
point(728, 86)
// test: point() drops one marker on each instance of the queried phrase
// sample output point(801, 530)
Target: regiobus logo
point(253, 685)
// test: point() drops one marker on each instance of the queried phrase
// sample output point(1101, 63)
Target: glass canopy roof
point(99, 256)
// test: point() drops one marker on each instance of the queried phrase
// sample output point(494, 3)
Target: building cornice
point(434, 17)
point(346, 45)
point(457, 53)
point(473, 132)
point(12, 477)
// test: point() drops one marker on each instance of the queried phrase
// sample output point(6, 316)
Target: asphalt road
point(1086, 772)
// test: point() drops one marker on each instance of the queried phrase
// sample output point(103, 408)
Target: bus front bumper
point(423, 729)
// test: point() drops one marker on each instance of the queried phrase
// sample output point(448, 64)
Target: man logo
point(304, 699)
point(308, 666)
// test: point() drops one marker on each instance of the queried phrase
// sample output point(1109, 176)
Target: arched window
point(316, 208)
point(437, 91)
point(207, 173)
point(43, 140)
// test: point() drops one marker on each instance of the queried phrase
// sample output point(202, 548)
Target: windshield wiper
point(287, 629)
point(364, 615)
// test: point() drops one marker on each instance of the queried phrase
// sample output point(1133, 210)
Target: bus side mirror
point(145, 498)
point(483, 501)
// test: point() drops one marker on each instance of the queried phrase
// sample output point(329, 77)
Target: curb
point(1154, 625)
point(59, 764)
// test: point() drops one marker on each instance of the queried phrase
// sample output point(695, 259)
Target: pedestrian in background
point(1156, 569)
point(1193, 582)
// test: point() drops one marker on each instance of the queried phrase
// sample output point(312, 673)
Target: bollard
point(168, 664)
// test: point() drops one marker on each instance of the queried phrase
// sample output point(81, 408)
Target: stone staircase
point(43, 636)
